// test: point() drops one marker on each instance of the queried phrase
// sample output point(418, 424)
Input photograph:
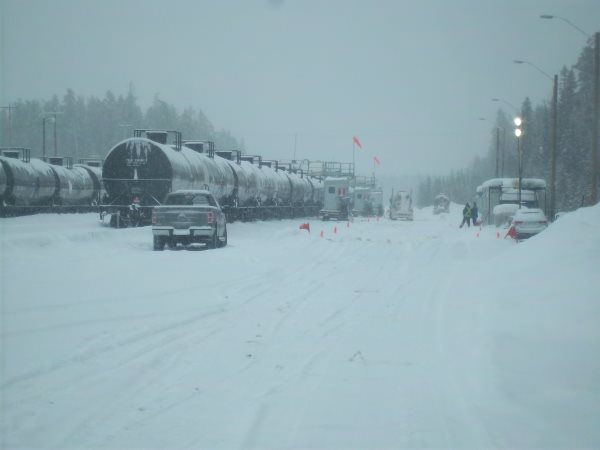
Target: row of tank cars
point(140, 171)
point(29, 185)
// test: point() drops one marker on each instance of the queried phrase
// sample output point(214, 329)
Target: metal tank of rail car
point(318, 191)
point(246, 182)
point(300, 188)
point(308, 190)
point(248, 179)
point(283, 187)
point(3, 183)
point(269, 184)
point(260, 187)
point(28, 183)
point(96, 175)
point(76, 186)
point(149, 170)
point(213, 172)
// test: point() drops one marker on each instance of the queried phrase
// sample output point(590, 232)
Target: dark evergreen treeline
point(90, 127)
point(574, 145)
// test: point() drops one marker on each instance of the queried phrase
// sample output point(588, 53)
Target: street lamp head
point(517, 121)
point(546, 16)
point(518, 132)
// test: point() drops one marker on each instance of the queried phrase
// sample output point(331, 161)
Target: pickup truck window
point(189, 199)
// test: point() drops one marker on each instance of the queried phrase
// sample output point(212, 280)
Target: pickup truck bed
point(188, 224)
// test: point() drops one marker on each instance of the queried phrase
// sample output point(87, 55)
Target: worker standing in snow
point(466, 216)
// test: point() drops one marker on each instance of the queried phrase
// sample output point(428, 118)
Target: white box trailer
point(401, 205)
point(336, 204)
point(505, 191)
point(376, 199)
point(361, 205)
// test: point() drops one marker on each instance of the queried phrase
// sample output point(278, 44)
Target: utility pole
point(596, 97)
point(497, 149)
point(9, 108)
point(553, 170)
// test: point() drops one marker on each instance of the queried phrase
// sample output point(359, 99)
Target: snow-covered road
point(381, 335)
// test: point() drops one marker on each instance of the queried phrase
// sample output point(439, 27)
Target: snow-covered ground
point(382, 335)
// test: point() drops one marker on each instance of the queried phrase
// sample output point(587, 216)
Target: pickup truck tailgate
point(180, 218)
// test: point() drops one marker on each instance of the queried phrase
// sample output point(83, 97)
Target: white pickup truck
point(188, 217)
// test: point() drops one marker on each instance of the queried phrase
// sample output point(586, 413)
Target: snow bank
point(544, 299)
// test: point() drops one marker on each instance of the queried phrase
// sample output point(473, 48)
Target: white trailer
point(361, 205)
point(336, 204)
point(494, 194)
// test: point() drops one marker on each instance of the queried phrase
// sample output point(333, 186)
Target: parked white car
point(528, 222)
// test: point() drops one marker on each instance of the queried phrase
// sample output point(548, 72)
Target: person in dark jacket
point(474, 213)
point(466, 216)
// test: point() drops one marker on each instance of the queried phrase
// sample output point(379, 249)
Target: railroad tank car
point(143, 169)
point(28, 183)
point(75, 186)
point(95, 174)
point(283, 187)
point(3, 183)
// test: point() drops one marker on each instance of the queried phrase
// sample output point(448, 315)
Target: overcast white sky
point(410, 78)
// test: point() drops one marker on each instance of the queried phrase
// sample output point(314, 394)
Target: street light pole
point(9, 108)
point(596, 97)
point(554, 139)
point(50, 115)
point(517, 121)
point(554, 132)
point(497, 150)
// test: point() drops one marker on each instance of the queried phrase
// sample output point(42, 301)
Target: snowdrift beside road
point(544, 314)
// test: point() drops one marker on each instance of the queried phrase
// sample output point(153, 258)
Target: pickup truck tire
point(223, 243)
point(214, 241)
point(159, 243)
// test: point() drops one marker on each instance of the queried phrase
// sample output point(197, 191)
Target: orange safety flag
point(376, 159)
point(305, 226)
point(356, 141)
point(512, 232)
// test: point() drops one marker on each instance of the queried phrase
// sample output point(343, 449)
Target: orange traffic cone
point(334, 230)
point(321, 233)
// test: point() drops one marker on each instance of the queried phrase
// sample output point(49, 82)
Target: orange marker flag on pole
point(376, 159)
point(356, 141)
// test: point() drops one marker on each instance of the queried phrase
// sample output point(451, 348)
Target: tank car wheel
point(159, 243)
point(223, 242)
